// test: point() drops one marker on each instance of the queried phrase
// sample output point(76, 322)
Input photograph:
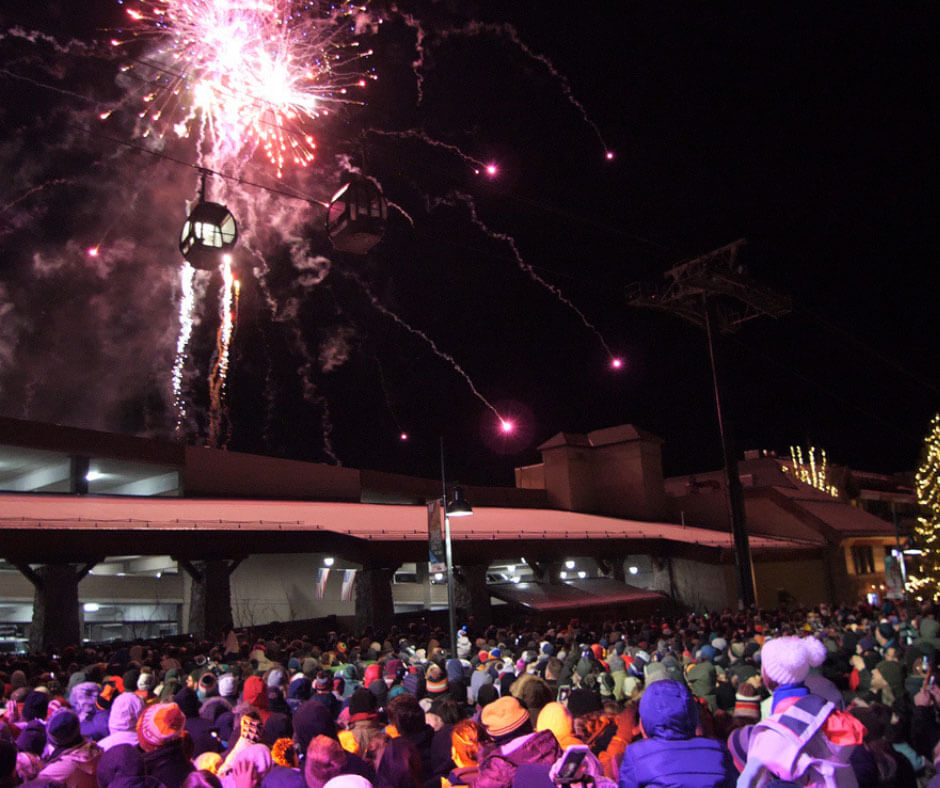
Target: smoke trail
point(507, 31)
point(424, 337)
point(511, 243)
point(417, 65)
point(417, 134)
point(34, 190)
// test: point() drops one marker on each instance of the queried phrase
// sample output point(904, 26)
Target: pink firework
point(247, 75)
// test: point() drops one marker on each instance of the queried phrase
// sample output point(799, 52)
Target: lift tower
point(714, 290)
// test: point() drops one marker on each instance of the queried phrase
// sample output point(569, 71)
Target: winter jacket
point(168, 764)
point(498, 765)
point(122, 722)
point(73, 768)
point(673, 756)
point(678, 763)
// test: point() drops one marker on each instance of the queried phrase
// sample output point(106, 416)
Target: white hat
point(788, 660)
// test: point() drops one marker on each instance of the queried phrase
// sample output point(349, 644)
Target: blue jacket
point(673, 756)
point(678, 763)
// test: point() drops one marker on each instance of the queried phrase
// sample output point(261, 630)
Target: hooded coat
point(672, 755)
point(73, 767)
point(122, 722)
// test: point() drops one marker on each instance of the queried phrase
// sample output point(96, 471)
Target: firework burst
point(245, 76)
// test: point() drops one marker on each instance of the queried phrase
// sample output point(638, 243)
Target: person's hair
point(400, 766)
point(325, 760)
point(406, 714)
point(465, 740)
point(447, 710)
point(202, 779)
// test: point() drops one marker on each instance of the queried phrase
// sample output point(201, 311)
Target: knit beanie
point(64, 729)
point(160, 723)
point(787, 660)
point(35, 706)
point(361, 702)
point(228, 685)
point(505, 718)
point(893, 673)
point(746, 703)
point(435, 680)
point(583, 701)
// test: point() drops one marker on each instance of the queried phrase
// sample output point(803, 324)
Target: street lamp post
point(458, 507)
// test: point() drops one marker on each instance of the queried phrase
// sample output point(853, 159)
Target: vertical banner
point(349, 581)
point(322, 576)
point(436, 557)
point(894, 579)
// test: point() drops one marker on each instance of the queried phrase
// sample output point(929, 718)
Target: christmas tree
point(925, 582)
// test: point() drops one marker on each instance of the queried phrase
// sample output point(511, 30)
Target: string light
point(814, 474)
point(923, 579)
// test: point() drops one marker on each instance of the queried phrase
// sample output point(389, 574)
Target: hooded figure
point(255, 693)
point(74, 760)
point(122, 722)
point(670, 752)
point(160, 735)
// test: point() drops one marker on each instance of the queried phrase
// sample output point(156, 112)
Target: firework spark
point(187, 309)
point(228, 323)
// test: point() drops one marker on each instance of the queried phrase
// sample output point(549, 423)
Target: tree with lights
point(925, 583)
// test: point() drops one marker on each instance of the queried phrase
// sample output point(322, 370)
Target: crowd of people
point(842, 697)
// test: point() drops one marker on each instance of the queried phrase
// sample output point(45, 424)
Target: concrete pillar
point(56, 615)
point(375, 608)
point(471, 596)
point(613, 568)
point(210, 599)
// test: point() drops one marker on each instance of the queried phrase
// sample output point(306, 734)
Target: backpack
point(793, 746)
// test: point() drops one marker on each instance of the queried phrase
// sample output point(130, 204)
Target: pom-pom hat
point(159, 724)
point(788, 660)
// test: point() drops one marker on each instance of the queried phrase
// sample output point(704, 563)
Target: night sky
point(811, 132)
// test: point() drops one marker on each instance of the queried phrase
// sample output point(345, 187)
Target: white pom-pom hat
point(788, 660)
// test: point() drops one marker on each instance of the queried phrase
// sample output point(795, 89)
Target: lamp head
point(458, 506)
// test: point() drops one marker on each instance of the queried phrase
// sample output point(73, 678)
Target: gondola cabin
point(207, 234)
point(357, 215)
